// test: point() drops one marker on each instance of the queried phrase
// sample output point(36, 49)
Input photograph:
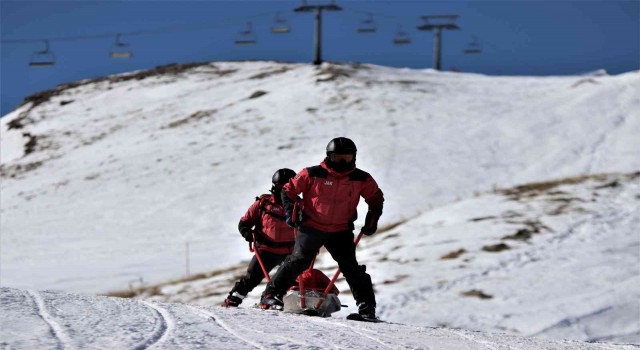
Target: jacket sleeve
point(374, 197)
point(250, 219)
point(292, 189)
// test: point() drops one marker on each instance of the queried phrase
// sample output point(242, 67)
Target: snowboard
point(358, 317)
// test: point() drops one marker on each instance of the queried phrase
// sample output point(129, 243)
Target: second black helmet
point(282, 176)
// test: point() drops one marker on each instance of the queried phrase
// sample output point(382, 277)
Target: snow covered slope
point(105, 181)
point(557, 259)
point(46, 320)
point(121, 172)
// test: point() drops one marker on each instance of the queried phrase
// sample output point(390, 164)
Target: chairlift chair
point(401, 37)
point(280, 25)
point(120, 49)
point(367, 25)
point(246, 37)
point(473, 47)
point(44, 58)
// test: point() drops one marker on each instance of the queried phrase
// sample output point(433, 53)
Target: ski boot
point(367, 310)
point(271, 301)
point(233, 300)
point(366, 313)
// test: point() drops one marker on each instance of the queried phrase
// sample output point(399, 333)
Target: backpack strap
point(263, 201)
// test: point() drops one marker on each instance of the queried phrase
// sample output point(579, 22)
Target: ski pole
point(335, 277)
point(255, 251)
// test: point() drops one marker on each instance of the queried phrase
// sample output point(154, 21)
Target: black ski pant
point(254, 274)
point(342, 249)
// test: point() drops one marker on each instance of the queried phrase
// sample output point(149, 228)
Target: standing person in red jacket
point(265, 219)
point(330, 195)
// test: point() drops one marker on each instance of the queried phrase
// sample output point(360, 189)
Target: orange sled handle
point(254, 250)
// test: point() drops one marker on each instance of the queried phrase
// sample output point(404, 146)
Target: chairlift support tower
point(444, 22)
point(318, 34)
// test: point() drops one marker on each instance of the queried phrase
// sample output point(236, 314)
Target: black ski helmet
point(282, 176)
point(341, 145)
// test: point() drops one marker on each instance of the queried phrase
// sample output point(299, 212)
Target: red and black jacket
point(330, 199)
point(266, 217)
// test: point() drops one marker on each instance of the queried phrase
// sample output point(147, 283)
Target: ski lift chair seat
point(280, 30)
point(245, 42)
point(401, 41)
point(124, 54)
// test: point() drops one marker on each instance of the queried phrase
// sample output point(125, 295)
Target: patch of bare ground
point(476, 293)
point(15, 170)
point(396, 279)
point(537, 188)
point(270, 73)
point(453, 255)
point(483, 218)
point(534, 189)
point(258, 93)
point(391, 226)
point(332, 73)
point(495, 248)
point(584, 81)
point(194, 117)
point(393, 235)
point(532, 227)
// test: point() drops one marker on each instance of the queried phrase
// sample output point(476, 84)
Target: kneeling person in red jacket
point(265, 218)
point(330, 195)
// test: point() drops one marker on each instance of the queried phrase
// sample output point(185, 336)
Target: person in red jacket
point(330, 195)
point(275, 239)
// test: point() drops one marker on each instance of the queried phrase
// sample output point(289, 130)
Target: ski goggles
point(341, 157)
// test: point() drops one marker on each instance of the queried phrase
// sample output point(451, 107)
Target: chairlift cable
point(168, 29)
point(379, 14)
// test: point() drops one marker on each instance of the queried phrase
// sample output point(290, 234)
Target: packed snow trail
point(57, 320)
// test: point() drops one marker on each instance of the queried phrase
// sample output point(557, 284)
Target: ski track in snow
point(298, 342)
point(291, 340)
point(473, 339)
point(210, 315)
point(165, 327)
point(354, 330)
point(58, 332)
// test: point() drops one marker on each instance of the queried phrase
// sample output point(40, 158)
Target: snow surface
point(48, 320)
point(124, 174)
point(571, 269)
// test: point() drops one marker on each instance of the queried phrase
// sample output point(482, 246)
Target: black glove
point(368, 231)
point(371, 220)
point(248, 235)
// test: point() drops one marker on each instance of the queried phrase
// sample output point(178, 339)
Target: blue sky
point(519, 37)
